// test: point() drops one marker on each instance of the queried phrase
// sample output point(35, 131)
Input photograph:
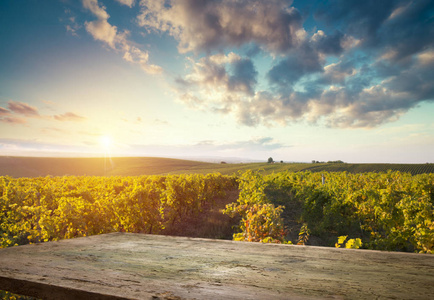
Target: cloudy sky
point(296, 80)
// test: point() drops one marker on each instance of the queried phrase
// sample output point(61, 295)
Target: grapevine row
point(52, 208)
point(387, 211)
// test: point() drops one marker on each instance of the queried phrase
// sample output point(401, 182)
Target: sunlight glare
point(105, 142)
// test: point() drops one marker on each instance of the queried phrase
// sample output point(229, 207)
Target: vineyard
point(52, 208)
point(413, 169)
point(387, 211)
point(384, 211)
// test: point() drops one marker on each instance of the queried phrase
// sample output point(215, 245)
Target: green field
point(134, 166)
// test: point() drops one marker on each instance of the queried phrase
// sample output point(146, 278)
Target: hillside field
point(134, 166)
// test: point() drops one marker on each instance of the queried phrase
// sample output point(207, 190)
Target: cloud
point(137, 56)
point(382, 26)
point(71, 25)
point(349, 93)
point(69, 116)
point(338, 73)
point(426, 57)
point(329, 44)
point(23, 109)
point(289, 71)
point(129, 3)
point(72, 30)
point(103, 31)
point(4, 112)
point(369, 65)
point(210, 25)
point(96, 9)
point(244, 76)
point(229, 73)
point(269, 109)
point(13, 120)
point(29, 111)
point(256, 146)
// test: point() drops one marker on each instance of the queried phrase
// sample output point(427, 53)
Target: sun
point(106, 142)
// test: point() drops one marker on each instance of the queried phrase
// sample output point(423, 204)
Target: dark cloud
point(289, 71)
point(359, 18)
point(243, 76)
point(410, 31)
point(23, 109)
point(417, 82)
point(404, 27)
point(328, 44)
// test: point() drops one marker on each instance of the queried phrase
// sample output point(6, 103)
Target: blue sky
point(295, 80)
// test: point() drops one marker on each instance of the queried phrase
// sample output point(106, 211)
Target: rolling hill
point(134, 166)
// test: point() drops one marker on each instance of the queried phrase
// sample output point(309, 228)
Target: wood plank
point(138, 266)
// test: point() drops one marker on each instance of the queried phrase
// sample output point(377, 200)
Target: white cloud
point(128, 3)
point(224, 59)
point(98, 11)
point(103, 31)
point(137, 56)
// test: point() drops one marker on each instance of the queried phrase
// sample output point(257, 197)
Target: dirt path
point(135, 266)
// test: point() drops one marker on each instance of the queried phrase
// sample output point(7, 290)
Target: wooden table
point(138, 266)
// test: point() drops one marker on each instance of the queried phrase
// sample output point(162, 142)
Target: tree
point(270, 160)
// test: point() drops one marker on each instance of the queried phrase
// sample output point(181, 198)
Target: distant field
point(133, 166)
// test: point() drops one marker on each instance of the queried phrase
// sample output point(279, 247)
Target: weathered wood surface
point(137, 266)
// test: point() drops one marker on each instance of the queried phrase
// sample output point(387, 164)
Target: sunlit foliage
point(52, 208)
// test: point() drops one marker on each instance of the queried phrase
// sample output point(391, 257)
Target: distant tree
point(270, 160)
point(313, 161)
point(335, 162)
point(281, 161)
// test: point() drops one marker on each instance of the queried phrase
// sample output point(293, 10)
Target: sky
point(293, 80)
